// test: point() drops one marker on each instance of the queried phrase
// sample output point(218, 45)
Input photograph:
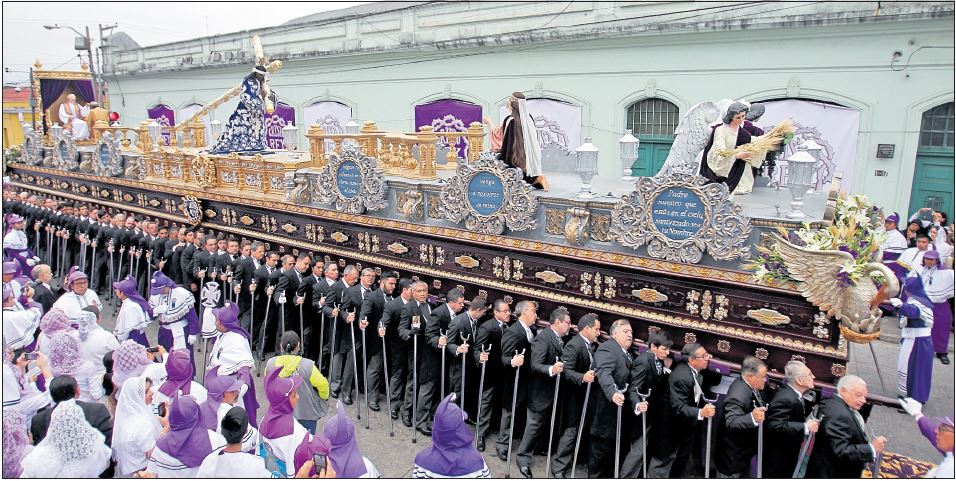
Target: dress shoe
point(407, 421)
point(502, 456)
point(347, 401)
point(525, 471)
point(481, 446)
point(374, 407)
point(944, 358)
point(558, 475)
point(335, 394)
point(393, 413)
point(427, 431)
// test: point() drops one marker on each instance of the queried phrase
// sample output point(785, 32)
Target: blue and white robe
point(246, 129)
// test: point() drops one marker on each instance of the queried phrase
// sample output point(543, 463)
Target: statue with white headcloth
point(72, 116)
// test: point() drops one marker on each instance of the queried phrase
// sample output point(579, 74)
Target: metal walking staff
point(877, 464)
point(262, 331)
point(644, 428)
point(584, 412)
point(335, 322)
point(710, 423)
point(358, 408)
point(416, 324)
point(554, 412)
point(388, 387)
point(464, 341)
point(301, 318)
point(514, 401)
point(758, 405)
point(617, 435)
point(481, 393)
point(442, 350)
point(799, 471)
point(365, 372)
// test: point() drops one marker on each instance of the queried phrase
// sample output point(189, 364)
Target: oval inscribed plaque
point(486, 193)
point(349, 179)
point(677, 213)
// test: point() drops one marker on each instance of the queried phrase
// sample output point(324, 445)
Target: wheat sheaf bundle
point(765, 143)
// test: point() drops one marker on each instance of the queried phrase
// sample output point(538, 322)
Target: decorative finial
point(84, 67)
point(37, 65)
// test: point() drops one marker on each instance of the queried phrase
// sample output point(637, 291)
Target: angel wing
point(690, 139)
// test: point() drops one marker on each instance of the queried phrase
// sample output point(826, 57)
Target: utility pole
point(101, 57)
point(89, 54)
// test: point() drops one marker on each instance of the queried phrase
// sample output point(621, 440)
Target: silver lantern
point(586, 167)
point(215, 129)
point(155, 134)
point(629, 145)
point(800, 168)
point(290, 137)
point(816, 151)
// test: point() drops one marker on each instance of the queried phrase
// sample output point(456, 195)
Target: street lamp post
point(88, 46)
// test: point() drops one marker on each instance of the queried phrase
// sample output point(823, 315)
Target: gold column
point(143, 142)
point(476, 141)
point(316, 138)
point(368, 142)
point(426, 149)
point(99, 127)
point(199, 133)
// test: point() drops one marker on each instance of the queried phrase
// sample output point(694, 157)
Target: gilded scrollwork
point(315, 233)
point(553, 221)
point(762, 354)
point(372, 188)
point(64, 154)
point(107, 160)
point(32, 154)
point(705, 305)
point(723, 233)
point(549, 277)
point(518, 205)
point(768, 317)
point(821, 323)
point(692, 298)
point(649, 295)
point(576, 229)
point(302, 192)
point(411, 204)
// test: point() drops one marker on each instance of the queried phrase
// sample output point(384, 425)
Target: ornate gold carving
point(722, 302)
point(508, 300)
point(315, 233)
point(798, 358)
point(517, 206)
point(553, 221)
point(339, 237)
point(768, 317)
point(649, 295)
point(705, 305)
point(723, 345)
point(507, 268)
point(290, 228)
point(127, 197)
point(397, 248)
point(246, 220)
point(461, 288)
point(84, 189)
point(690, 338)
point(211, 213)
point(550, 277)
point(820, 325)
point(411, 203)
point(467, 262)
point(436, 283)
point(432, 205)
point(576, 231)
point(601, 227)
point(692, 298)
point(268, 223)
point(154, 202)
point(762, 354)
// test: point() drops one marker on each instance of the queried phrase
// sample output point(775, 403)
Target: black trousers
point(504, 428)
point(490, 398)
point(601, 458)
point(535, 433)
point(398, 365)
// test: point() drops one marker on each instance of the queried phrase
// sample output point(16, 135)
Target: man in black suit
point(398, 355)
point(515, 348)
point(744, 411)
point(43, 292)
point(265, 287)
point(373, 306)
point(350, 337)
point(188, 252)
point(787, 422)
point(101, 260)
point(488, 338)
point(686, 409)
point(613, 363)
point(649, 374)
point(289, 296)
point(427, 370)
point(174, 250)
point(445, 345)
point(841, 449)
point(464, 326)
point(226, 264)
point(336, 310)
point(578, 358)
point(324, 308)
point(63, 388)
point(546, 364)
point(204, 265)
point(312, 315)
point(245, 278)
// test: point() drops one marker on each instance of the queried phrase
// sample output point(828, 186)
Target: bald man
point(72, 116)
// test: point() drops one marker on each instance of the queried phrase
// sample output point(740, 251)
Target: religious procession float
point(785, 273)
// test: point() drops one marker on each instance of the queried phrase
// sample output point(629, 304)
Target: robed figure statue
point(246, 130)
point(519, 143)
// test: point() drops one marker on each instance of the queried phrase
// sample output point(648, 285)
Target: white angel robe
point(16, 287)
point(166, 466)
point(131, 318)
point(15, 239)
point(222, 465)
point(20, 324)
point(231, 352)
point(170, 311)
point(72, 115)
point(72, 304)
point(895, 243)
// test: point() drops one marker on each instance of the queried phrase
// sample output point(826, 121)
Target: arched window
point(653, 121)
point(933, 176)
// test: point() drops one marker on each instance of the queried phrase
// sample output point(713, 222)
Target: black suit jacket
point(644, 378)
point(682, 407)
point(95, 413)
point(244, 274)
point(372, 309)
point(461, 325)
point(783, 430)
point(737, 430)
point(841, 448)
point(514, 340)
point(45, 296)
point(578, 358)
point(489, 335)
point(613, 368)
point(428, 367)
point(289, 285)
point(351, 300)
point(392, 317)
point(546, 349)
point(186, 266)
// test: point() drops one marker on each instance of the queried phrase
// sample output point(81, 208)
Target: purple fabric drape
point(448, 116)
point(165, 116)
point(284, 115)
point(51, 89)
point(84, 89)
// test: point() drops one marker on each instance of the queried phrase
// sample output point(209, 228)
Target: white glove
point(191, 339)
point(159, 310)
point(911, 406)
point(896, 302)
point(31, 262)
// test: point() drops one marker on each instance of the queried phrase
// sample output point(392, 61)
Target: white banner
point(557, 123)
point(186, 112)
point(835, 129)
point(331, 116)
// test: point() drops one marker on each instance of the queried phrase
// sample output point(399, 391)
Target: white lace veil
point(532, 148)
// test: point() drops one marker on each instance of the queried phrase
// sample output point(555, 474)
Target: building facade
point(613, 65)
point(16, 111)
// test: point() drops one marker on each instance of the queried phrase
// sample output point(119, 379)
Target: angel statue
point(692, 135)
point(246, 130)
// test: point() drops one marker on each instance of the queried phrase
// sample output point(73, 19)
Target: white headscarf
point(135, 427)
point(532, 148)
point(72, 447)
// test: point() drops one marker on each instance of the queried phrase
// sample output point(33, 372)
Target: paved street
point(394, 455)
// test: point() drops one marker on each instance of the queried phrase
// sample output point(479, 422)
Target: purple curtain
point(165, 116)
point(51, 89)
point(84, 89)
point(448, 116)
point(284, 115)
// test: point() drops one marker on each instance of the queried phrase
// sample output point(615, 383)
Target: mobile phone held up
point(31, 356)
point(319, 461)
